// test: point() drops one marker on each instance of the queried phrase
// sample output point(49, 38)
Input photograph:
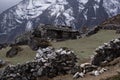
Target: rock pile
point(2, 63)
point(88, 68)
point(93, 31)
point(118, 31)
point(48, 62)
point(1, 46)
point(32, 39)
point(13, 51)
point(4, 45)
point(35, 43)
point(106, 53)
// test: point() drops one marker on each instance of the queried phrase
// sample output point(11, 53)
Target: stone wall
point(92, 31)
point(107, 52)
point(49, 62)
point(111, 27)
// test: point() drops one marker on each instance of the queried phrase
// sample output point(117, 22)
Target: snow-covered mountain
point(76, 13)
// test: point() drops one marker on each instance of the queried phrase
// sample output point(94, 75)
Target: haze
point(6, 4)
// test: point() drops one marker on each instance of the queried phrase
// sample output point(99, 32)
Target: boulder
point(4, 45)
point(118, 31)
point(93, 31)
point(1, 46)
point(95, 73)
point(35, 43)
point(78, 74)
point(2, 63)
point(13, 51)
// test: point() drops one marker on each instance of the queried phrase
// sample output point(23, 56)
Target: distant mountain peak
point(76, 13)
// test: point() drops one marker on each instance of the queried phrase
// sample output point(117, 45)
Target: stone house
point(57, 32)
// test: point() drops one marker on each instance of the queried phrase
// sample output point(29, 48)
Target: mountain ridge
point(113, 20)
point(30, 13)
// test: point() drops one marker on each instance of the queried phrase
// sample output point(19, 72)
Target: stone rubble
point(93, 31)
point(13, 51)
point(78, 74)
point(106, 53)
point(2, 63)
point(49, 62)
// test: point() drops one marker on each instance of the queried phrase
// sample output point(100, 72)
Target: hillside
point(83, 47)
point(26, 55)
point(114, 20)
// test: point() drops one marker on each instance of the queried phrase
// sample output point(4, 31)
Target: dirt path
point(111, 72)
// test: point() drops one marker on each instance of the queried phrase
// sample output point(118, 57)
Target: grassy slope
point(83, 47)
point(26, 55)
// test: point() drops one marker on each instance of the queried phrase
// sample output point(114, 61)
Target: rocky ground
point(112, 67)
point(106, 56)
point(113, 71)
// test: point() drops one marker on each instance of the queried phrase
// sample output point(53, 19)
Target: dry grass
point(83, 47)
point(26, 55)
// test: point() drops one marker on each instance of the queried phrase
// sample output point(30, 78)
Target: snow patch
point(69, 17)
point(112, 7)
point(98, 1)
point(17, 20)
point(29, 26)
point(96, 7)
point(83, 1)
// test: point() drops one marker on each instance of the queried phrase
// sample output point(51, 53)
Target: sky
point(5, 4)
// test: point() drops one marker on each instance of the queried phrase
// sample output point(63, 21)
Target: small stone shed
point(56, 32)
